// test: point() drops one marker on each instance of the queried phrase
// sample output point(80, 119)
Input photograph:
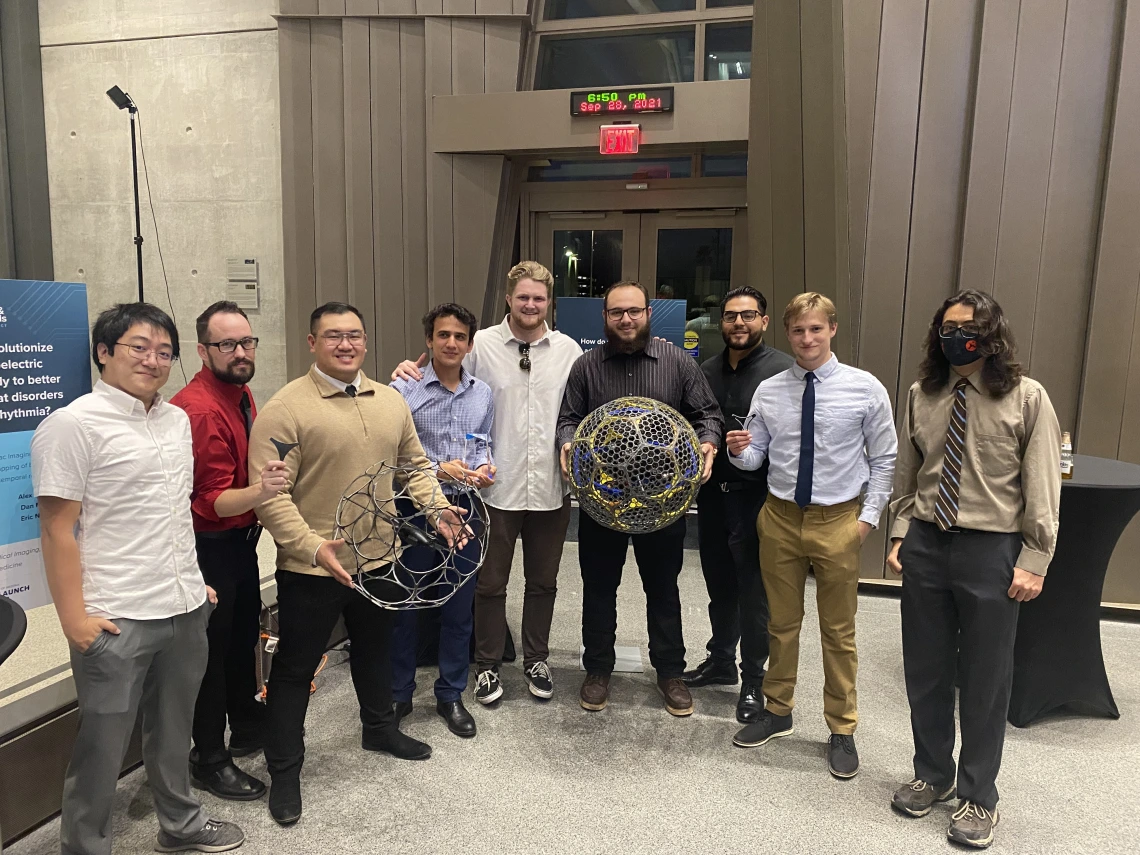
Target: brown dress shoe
point(595, 692)
point(678, 701)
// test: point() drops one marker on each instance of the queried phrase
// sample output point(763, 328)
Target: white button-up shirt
point(133, 472)
point(855, 441)
point(526, 414)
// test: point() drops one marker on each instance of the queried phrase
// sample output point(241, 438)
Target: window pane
point(695, 265)
point(728, 52)
point(724, 165)
point(721, 4)
point(586, 262)
point(613, 170)
point(557, 10)
point(641, 58)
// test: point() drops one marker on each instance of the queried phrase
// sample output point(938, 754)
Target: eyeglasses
point(333, 339)
point(968, 329)
point(229, 345)
point(140, 351)
point(748, 316)
point(524, 352)
point(634, 313)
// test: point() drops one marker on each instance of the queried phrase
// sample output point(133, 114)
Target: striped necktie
point(949, 485)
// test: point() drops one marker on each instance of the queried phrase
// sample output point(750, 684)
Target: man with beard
point(631, 363)
point(221, 411)
point(728, 507)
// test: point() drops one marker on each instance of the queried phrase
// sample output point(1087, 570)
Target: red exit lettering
point(619, 139)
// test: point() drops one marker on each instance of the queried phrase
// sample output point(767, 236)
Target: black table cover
point(1058, 664)
point(13, 625)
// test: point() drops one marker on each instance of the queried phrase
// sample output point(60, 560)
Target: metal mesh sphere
point(400, 559)
point(635, 465)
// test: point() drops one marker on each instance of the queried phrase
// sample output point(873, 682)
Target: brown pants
point(543, 534)
point(826, 539)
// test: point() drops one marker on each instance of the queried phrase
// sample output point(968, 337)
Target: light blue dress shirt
point(444, 418)
point(855, 441)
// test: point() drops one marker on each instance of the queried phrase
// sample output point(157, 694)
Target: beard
point(628, 346)
point(753, 340)
point(237, 373)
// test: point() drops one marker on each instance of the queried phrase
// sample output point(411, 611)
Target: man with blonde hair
point(827, 431)
point(526, 365)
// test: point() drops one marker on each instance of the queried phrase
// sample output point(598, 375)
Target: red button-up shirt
point(221, 447)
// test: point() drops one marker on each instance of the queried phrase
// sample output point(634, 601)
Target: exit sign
point(619, 139)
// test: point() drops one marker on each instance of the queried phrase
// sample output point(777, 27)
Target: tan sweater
point(339, 438)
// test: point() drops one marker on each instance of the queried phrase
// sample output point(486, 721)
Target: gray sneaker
point(972, 825)
point(215, 836)
point(918, 797)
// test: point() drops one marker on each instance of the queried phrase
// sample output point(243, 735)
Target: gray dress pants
point(152, 666)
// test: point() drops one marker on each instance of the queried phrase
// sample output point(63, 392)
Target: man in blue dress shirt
point(829, 436)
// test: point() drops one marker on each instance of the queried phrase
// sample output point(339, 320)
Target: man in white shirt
point(829, 436)
point(113, 472)
point(526, 365)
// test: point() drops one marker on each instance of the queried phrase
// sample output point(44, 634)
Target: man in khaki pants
point(829, 436)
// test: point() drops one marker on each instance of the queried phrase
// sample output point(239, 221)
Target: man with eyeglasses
point(727, 509)
point(632, 363)
point(526, 365)
point(113, 472)
point(221, 410)
point(342, 423)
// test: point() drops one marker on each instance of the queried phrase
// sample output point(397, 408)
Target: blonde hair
point(809, 301)
point(529, 270)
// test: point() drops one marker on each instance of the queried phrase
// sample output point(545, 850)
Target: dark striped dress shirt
point(661, 371)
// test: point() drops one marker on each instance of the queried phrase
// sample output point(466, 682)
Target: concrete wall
point(204, 74)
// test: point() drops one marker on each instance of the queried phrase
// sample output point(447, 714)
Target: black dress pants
point(601, 554)
point(307, 611)
point(957, 615)
point(229, 566)
point(730, 561)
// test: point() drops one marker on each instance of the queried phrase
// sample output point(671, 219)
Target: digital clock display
point(613, 102)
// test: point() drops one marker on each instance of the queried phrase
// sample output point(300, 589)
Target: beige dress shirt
point(1011, 474)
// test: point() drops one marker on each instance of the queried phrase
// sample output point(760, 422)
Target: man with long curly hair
point(978, 492)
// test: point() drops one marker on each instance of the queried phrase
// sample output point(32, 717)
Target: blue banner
point(44, 365)
point(581, 319)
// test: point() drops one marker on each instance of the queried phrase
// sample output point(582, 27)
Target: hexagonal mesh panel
point(635, 465)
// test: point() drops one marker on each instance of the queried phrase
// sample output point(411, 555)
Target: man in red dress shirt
point(221, 411)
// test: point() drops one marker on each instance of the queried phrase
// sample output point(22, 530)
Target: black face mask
point(961, 349)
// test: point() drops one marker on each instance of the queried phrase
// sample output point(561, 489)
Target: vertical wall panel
point(330, 7)
point(760, 167)
point(361, 7)
point(429, 7)
point(459, 7)
point(468, 46)
point(440, 260)
point(328, 160)
point(494, 7)
point(988, 144)
point(502, 42)
point(398, 7)
point(413, 77)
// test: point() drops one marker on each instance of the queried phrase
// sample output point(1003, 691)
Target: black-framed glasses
point(333, 339)
point(634, 313)
point(140, 351)
point(748, 316)
point(968, 329)
point(524, 354)
point(229, 345)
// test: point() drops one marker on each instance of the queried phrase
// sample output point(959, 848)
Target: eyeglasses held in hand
point(968, 329)
point(634, 313)
point(140, 351)
point(229, 345)
point(748, 316)
point(333, 339)
point(524, 352)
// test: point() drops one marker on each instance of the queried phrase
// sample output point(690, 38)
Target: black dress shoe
point(711, 672)
point(399, 745)
point(243, 746)
point(231, 783)
point(459, 721)
point(285, 801)
point(400, 709)
point(750, 704)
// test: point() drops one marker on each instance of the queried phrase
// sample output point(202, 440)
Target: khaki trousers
point(826, 538)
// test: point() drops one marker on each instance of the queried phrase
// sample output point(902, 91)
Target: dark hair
point(334, 308)
point(1000, 373)
point(746, 291)
point(450, 310)
point(228, 307)
point(627, 283)
point(113, 323)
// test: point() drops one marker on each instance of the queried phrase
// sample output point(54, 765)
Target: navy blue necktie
point(807, 443)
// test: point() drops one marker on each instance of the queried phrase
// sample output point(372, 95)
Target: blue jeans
point(455, 627)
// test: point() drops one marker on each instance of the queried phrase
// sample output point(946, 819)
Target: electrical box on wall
point(241, 282)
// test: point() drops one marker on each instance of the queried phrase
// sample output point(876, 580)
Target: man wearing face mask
point(727, 509)
point(631, 363)
point(978, 487)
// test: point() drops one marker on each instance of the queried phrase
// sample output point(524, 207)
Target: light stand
point(123, 101)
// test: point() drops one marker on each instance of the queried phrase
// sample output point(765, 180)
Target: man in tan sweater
point(343, 423)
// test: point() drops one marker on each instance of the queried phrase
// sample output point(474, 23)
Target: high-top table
point(1058, 665)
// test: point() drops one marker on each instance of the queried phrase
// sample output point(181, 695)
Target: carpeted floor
point(552, 778)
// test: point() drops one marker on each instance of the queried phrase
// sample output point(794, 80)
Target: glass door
point(588, 252)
